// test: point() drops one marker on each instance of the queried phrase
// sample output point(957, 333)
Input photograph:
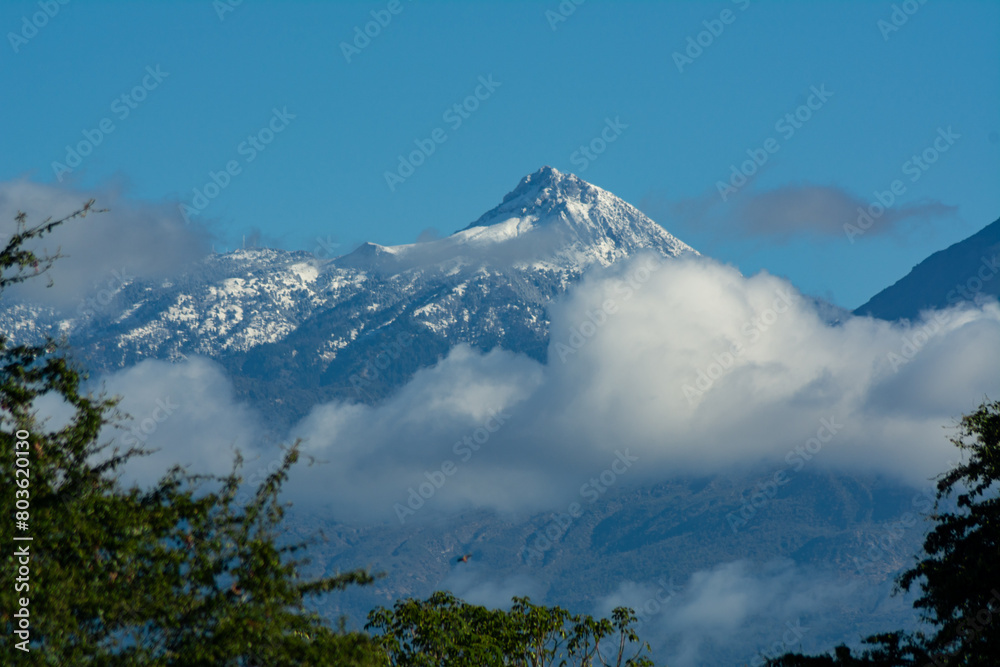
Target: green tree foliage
point(444, 631)
point(959, 576)
point(177, 574)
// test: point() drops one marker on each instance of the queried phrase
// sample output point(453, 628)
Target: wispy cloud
point(135, 239)
point(791, 211)
point(823, 210)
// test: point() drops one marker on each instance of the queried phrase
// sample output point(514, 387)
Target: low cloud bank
point(672, 366)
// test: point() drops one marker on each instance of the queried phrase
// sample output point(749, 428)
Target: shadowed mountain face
point(966, 271)
point(822, 553)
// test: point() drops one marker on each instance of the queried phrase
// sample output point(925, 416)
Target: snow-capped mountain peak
point(579, 221)
point(537, 194)
point(550, 219)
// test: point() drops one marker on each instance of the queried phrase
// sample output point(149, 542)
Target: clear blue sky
point(323, 175)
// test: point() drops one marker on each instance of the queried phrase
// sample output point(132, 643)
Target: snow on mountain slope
point(487, 285)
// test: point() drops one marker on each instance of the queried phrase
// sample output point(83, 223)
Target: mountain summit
point(550, 219)
point(540, 196)
point(586, 220)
